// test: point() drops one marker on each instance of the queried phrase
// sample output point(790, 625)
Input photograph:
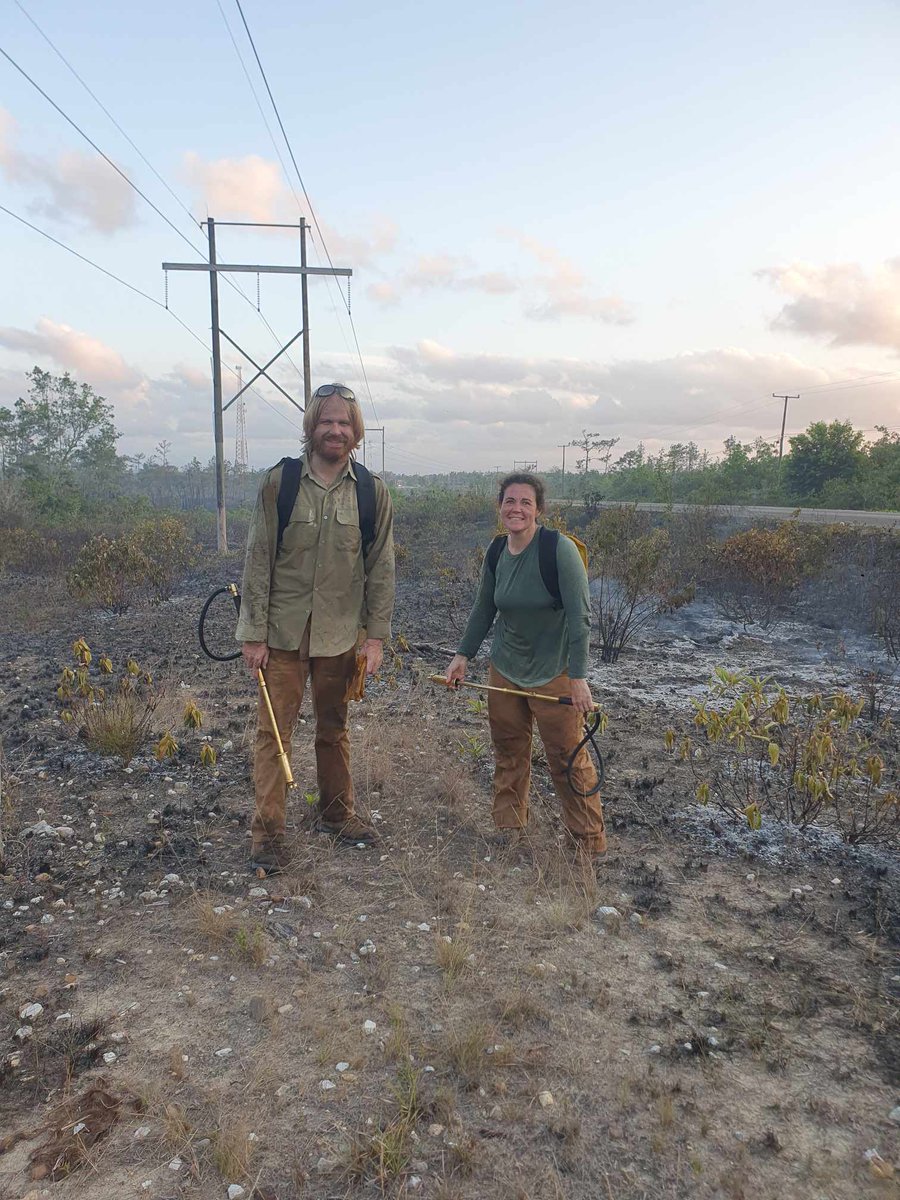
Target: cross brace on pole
point(261, 370)
point(212, 268)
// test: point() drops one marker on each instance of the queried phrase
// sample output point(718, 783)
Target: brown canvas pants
point(286, 675)
point(560, 727)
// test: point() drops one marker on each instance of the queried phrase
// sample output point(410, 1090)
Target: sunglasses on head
point(335, 389)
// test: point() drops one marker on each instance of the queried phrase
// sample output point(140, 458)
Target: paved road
point(744, 512)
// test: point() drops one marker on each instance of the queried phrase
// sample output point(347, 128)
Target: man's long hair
point(314, 409)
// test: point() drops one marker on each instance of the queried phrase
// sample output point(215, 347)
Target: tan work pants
point(286, 675)
point(560, 727)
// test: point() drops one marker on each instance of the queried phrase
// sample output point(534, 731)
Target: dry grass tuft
point(210, 918)
point(178, 1130)
point(232, 1149)
point(454, 954)
point(466, 1050)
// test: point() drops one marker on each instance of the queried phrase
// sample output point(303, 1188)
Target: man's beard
point(332, 450)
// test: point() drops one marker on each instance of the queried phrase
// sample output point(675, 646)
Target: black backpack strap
point(548, 545)
point(365, 503)
point(287, 492)
point(494, 550)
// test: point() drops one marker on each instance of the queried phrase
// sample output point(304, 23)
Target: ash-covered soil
point(428, 1016)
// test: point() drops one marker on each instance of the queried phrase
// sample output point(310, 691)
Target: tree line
point(58, 452)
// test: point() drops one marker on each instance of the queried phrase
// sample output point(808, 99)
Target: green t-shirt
point(533, 642)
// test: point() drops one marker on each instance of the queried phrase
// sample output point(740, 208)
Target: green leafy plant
point(113, 717)
point(757, 751)
point(472, 747)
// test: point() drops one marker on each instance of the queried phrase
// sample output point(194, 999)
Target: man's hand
point(373, 649)
point(256, 656)
point(582, 700)
point(456, 672)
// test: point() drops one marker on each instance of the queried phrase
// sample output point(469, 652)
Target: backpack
point(365, 499)
point(548, 540)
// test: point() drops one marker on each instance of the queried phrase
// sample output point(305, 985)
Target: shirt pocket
point(346, 528)
point(301, 532)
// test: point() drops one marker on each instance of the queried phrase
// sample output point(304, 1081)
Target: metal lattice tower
point(240, 436)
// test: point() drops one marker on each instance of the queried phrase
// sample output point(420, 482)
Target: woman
point(540, 643)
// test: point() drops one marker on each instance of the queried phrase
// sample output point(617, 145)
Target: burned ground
point(427, 1016)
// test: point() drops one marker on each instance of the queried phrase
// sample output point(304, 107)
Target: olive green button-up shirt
point(317, 574)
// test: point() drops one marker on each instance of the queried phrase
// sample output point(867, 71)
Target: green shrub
point(146, 563)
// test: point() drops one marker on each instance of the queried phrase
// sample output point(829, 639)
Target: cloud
point(706, 394)
point(840, 302)
point(78, 187)
point(560, 290)
point(72, 350)
point(564, 290)
point(254, 189)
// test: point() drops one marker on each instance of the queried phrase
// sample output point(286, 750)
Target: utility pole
point(563, 448)
point(213, 266)
point(777, 396)
point(218, 424)
point(374, 429)
point(304, 315)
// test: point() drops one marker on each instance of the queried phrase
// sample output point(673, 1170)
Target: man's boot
point(271, 855)
point(352, 829)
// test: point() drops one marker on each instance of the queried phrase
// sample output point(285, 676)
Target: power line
point(118, 169)
point(312, 211)
point(139, 292)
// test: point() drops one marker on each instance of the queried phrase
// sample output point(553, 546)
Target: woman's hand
point(456, 672)
point(582, 700)
point(256, 655)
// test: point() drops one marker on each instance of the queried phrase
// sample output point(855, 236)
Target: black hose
point(591, 725)
point(206, 607)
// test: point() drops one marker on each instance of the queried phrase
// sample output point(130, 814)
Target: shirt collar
point(348, 470)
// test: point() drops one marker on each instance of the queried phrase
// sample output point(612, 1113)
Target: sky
point(638, 219)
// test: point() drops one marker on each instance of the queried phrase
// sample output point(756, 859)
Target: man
point(306, 595)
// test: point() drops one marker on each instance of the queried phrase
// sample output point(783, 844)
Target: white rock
point(142, 1133)
point(835, 882)
point(24, 1032)
point(30, 1012)
point(327, 1085)
point(369, 1027)
point(368, 947)
point(797, 893)
point(435, 1130)
point(894, 1115)
point(257, 893)
point(424, 927)
point(41, 829)
point(236, 1192)
point(284, 1009)
point(545, 1099)
point(176, 1164)
point(415, 1182)
point(79, 1128)
point(717, 966)
point(109, 1058)
point(655, 1049)
point(304, 901)
point(224, 1052)
point(342, 1067)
